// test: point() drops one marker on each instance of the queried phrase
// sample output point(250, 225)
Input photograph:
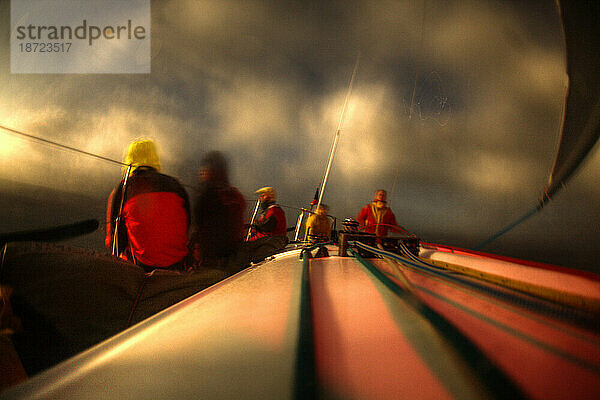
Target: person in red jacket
point(376, 217)
point(153, 215)
point(272, 219)
point(268, 234)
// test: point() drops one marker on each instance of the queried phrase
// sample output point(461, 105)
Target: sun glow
point(10, 144)
point(14, 149)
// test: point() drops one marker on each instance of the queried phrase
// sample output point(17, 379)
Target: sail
point(581, 124)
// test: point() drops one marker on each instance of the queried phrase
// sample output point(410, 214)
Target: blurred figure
point(318, 226)
point(149, 211)
point(376, 217)
point(219, 209)
point(272, 218)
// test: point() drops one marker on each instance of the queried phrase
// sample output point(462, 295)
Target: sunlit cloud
point(11, 147)
point(253, 111)
point(364, 134)
point(544, 73)
point(18, 150)
point(495, 173)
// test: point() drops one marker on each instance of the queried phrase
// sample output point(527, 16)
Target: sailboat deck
point(397, 333)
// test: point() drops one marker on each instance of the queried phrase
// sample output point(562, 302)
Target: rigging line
point(62, 146)
point(337, 133)
point(414, 261)
point(507, 229)
point(497, 383)
point(74, 149)
point(513, 301)
point(566, 309)
point(115, 245)
point(256, 207)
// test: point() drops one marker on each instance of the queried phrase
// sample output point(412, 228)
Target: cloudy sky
point(456, 110)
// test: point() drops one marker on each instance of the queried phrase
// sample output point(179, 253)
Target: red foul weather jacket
point(153, 229)
point(271, 222)
point(378, 224)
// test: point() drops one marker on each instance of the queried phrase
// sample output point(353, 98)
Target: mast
point(336, 137)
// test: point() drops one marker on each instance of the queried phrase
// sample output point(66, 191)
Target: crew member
point(318, 226)
point(272, 219)
point(153, 215)
point(376, 217)
point(219, 211)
